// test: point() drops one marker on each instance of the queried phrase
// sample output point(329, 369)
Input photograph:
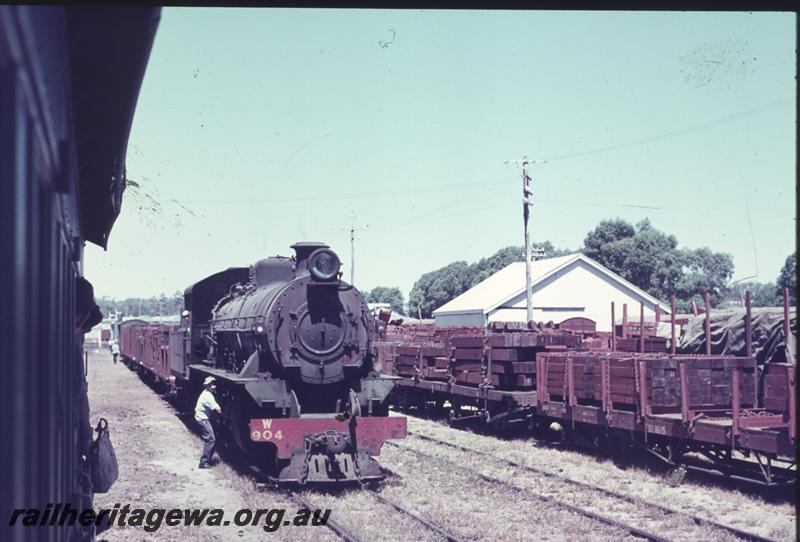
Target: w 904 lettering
point(266, 432)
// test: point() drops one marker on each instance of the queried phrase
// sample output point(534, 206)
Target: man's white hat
point(209, 380)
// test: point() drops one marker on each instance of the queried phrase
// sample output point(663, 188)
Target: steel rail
point(333, 525)
point(544, 498)
point(611, 493)
point(342, 531)
point(424, 521)
point(336, 527)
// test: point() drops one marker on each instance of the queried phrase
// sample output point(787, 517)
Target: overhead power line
point(410, 191)
point(641, 206)
point(682, 131)
point(481, 184)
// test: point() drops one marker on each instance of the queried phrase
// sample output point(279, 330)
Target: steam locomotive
point(291, 347)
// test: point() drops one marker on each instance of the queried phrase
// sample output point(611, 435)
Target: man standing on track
point(206, 404)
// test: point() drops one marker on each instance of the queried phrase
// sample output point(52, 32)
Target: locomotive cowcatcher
point(291, 347)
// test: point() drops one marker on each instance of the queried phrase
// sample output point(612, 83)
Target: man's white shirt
point(205, 405)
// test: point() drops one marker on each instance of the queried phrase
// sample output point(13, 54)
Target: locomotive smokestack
point(304, 249)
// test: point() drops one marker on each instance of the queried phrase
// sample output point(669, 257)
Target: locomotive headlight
point(323, 264)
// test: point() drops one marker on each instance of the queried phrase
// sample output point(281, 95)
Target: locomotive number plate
point(265, 433)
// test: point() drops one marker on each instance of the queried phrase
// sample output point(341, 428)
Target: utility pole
point(352, 247)
point(526, 205)
point(353, 230)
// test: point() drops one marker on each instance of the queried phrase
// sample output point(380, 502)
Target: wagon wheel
point(676, 475)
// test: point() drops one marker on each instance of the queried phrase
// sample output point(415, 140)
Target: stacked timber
point(634, 329)
point(426, 334)
point(588, 379)
point(412, 350)
point(588, 376)
point(431, 365)
point(555, 379)
point(467, 366)
point(600, 342)
point(411, 334)
point(420, 360)
point(501, 327)
point(663, 382)
point(778, 379)
point(709, 381)
point(406, 360)
point(512, 358)
point(622, 380)
point(506, 361)
point(651, 344)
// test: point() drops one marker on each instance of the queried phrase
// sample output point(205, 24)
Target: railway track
point(332, 524)
point(624, 525)
point(346, 534)
point(605, 491)
point(633, 527)
point(420, 519)
point(342, 531)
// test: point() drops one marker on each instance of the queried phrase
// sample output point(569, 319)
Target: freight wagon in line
point(701, 411)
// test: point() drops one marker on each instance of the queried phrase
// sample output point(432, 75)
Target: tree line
point(162, 305)
point(639, 253)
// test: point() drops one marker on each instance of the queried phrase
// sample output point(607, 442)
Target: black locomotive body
point(291, 346)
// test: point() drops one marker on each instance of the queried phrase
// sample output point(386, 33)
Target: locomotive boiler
point(291, 346)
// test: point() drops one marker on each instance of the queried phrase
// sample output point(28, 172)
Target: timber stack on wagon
point(503, 356)
point(651, 383)
point(421, 349)
point(504, 360)
point(690, 409)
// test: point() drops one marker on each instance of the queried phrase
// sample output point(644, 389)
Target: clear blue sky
point(256, 128)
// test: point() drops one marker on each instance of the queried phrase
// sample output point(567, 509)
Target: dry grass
point(647, 518)
point(362, 513)
point(474, 509)
point(745, 511)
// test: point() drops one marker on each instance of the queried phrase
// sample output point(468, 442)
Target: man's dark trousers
point(207, 432)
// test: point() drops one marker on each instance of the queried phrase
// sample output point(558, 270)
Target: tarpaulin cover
point(728, 337)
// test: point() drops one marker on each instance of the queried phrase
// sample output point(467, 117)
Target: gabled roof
point(509, 283)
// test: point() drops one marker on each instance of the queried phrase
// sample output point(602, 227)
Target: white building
point(99, 335)
point(563, 287)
